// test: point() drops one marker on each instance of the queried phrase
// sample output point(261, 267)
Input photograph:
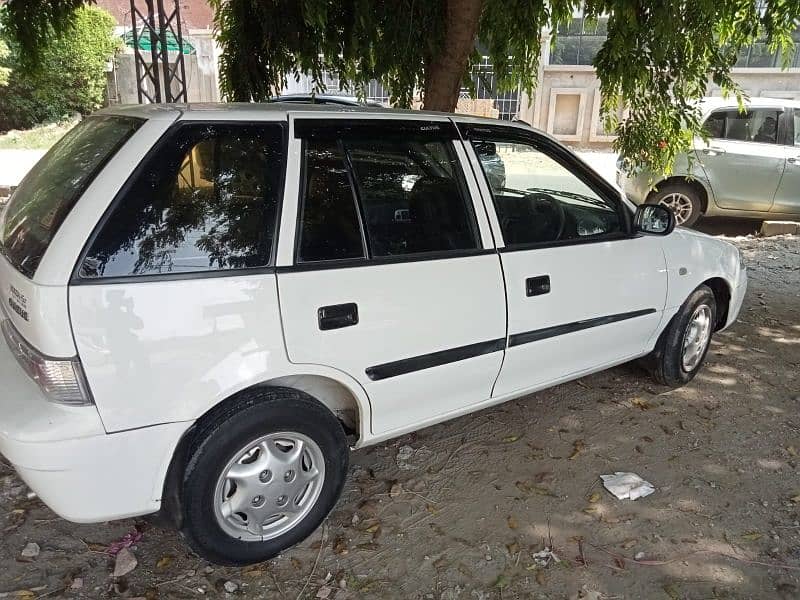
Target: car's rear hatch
point(35, 316)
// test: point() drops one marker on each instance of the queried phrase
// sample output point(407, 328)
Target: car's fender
point(693, 258)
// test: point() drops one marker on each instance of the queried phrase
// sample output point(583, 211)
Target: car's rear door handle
point(536, 286)
point(795, 160)
point(337, 316)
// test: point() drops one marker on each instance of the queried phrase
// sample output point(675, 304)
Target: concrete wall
point(202, 82)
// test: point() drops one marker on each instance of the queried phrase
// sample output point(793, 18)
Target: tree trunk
point(445, 72)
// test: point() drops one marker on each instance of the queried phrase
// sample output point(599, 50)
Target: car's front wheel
point(262, 475)
point(682, 199)
point(683, 346)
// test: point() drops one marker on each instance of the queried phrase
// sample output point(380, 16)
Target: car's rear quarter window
point(50, 190)
point(204, 200)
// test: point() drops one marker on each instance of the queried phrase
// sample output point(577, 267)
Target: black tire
point(686, 190)
point(666, 361)
point(224, 433)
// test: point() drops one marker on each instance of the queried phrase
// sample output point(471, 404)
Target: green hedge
point(71, 76)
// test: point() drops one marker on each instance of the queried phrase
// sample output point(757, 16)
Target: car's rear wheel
point(682, 199)
point(682, 347)
point(262, 475)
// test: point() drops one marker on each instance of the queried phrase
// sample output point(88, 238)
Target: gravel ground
point(459, 510)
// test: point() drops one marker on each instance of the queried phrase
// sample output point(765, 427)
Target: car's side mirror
point(654, 219)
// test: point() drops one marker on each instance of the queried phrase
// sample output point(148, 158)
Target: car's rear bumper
point(64, 454)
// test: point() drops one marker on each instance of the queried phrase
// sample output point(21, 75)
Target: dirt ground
point(458, 510)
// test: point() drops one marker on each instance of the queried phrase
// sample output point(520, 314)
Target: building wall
point(566, 103)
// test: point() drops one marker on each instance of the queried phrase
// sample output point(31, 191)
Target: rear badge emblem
point(18, 303)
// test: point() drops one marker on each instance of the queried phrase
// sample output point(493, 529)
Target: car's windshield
point(47, 194)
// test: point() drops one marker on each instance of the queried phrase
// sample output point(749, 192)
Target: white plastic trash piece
point(627, 486)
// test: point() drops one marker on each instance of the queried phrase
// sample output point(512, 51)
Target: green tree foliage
point(4, 71)
point(68, 75)
point(657, 58)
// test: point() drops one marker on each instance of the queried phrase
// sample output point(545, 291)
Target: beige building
point(566, 103)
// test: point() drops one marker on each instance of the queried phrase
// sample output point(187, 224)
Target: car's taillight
point(61, 380)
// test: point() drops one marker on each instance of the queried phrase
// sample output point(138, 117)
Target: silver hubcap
point(696, 337)
point(680, 204)
point(269, 486)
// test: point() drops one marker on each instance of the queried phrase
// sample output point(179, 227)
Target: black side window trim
point(342, 134)
point(313, 129)
point(566, 159)
point(166, 138)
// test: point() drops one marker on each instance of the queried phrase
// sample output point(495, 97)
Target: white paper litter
point(627, 486)
point(545, 557)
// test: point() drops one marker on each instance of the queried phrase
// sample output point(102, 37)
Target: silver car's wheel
point(680, 204)
point(682, 199)
point(269, 486)
point(696, 337)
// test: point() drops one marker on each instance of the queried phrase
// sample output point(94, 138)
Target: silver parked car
point(750, 166)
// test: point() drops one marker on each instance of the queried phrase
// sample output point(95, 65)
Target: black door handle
point(337, 316)
point(536, 286)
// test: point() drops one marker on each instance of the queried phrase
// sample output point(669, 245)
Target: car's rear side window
point(50, 190)
point(380, 197)
point(206, 199)
point(755, 125)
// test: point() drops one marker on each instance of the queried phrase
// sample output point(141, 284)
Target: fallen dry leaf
point(512, 548)
point(578, 446)
point(594, 498)
point(641, 403)
point(510, 439)
point(395, 490)
point(512, 522)
point(164, 562)
point(752, 535)
point(340, 546)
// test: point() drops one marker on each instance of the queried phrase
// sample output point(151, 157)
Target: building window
point(578, 42)
point(759, 55)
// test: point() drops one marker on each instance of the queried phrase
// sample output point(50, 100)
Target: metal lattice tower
point(167, 81)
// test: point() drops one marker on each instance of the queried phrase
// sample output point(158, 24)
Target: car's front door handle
point(536, 286)
point(795, 160)
point(713, 151)
point(337, 316)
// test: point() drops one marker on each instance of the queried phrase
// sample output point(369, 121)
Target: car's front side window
point(204, 200)
point(755, 125)
point(539, 200)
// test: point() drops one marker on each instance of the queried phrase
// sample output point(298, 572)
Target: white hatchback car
point(205, 307)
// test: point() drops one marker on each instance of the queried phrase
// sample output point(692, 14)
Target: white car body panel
point(160, 353)
point(587, 281)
